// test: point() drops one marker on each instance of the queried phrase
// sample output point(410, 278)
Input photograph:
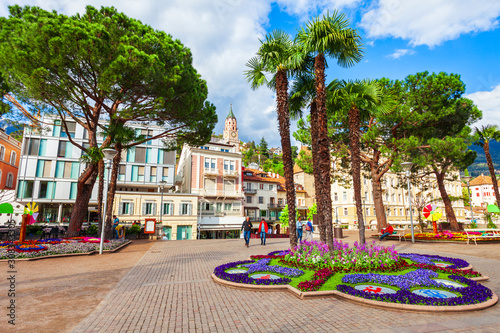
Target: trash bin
point(337, 232)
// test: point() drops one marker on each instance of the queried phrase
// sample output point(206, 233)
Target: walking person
point(247, 230)
point(115, 226)
point(263, 231)
point(309, 230)
point(299, 227)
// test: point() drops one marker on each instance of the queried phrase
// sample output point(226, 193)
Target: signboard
point(150, 226)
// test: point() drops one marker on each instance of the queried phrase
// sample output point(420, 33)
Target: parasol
point(431, 212)
point(493, 209)
point(32, 210)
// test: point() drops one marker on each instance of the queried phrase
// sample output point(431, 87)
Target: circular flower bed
point(368, 271)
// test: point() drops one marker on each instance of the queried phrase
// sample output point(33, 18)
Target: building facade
point(213, 173)
point(482, 193)
point(50, 167)
point(10, 155)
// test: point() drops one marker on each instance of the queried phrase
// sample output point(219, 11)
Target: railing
point(219, 213)
point(250, 190)
point(211, 172)
point(231, 173)
point(274, 205)
point(222, 193)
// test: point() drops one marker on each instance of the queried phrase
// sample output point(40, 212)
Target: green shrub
point(92, 230)
point(33, 229)
point(134, 229)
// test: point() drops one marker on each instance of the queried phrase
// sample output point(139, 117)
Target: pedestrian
point(115, 225)
point(263, 231)
point(299, 229)
point(309, 230)
point(386, 232)
point(247, 230)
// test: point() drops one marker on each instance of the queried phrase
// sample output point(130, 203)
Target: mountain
point(480, 165)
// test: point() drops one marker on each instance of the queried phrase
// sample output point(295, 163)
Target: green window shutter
point(43, 147)
point(131, 209)
point(39, 168)
point(60, 169)
point(51, 190)
point(74, 170)
point(73, 190)
point(149, 155)
point(160, 156)
point(69, 148)
point(131, 154)
point(135, 173)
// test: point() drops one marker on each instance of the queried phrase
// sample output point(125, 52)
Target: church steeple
point(231, 129)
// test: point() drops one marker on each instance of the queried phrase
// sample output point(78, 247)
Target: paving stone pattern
point(170, 290)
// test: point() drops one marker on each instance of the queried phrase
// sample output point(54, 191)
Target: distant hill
point(480, 165)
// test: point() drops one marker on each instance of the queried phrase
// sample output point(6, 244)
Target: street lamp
point(407, 167)
point(109, 154)
point(467, 179)
point(337, 215)
point(162, 184)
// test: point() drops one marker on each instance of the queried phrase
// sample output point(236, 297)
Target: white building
point(50, 167)
point(213, 173)
point(482, 193)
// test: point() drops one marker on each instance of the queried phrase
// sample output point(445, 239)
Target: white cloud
point(430, 22)
point(305, 8)
point(489, 103)
point(401, 52)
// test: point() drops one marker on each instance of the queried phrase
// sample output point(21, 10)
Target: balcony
point(231, 174)
point(250, 190)
point(178, 179)
point(221, 193)
point(210, 172)
point(274, 206)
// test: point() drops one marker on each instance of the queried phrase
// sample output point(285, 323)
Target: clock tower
point(231, 129)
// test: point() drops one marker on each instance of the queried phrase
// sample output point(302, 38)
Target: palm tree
point(327, 36)
point(278, 56)
point(361, 99)
point(483, 137)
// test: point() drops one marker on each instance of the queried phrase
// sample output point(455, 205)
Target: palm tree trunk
point(316, 171)
point(325, 201)
point(112, 191)
point(450, 214)
point(354, 123)
point(284, 128)
point(100, 193)
point(489, 161)
point(378, 203)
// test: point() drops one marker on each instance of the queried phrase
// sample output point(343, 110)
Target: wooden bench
point(485, 234)
point(398, 232)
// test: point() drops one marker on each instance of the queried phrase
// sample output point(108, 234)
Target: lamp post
point(162, 184)
point(109, 154)
point(407, 167)
point(467, 179)
point(337, 215)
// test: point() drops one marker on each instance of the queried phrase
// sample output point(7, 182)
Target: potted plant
point(92, 231)
point(133, 231)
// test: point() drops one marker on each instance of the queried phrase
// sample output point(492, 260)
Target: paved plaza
point(170, 290)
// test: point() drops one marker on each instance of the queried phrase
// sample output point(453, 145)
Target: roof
point(262, 176)
point(231, 114)
point(482, 180)
point(297, 169)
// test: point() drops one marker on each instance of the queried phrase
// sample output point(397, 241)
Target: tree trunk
point(85, 185)
point(100, 193)
point(316, 171)
point(323, 156)
point(354, 123)
point(378, 202)
point(284, 129)
point(450, 214)
point(112, 190)
point(486, 148)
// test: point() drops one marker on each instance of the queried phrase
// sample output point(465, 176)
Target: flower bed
point(458, 236)
point(368, 271)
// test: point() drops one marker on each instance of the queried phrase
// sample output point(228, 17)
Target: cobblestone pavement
point(170, 290)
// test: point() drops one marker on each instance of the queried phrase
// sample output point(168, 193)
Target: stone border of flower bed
point(335, 293)
point(70, 254)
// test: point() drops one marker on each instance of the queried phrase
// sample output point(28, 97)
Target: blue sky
point(401, 37)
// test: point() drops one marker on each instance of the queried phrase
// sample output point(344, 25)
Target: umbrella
point(32, 210)
point(431, 212)
point(493, 209)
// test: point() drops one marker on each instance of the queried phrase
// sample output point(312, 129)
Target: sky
point(400, 37)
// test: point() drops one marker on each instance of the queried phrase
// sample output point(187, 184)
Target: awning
point(220, 227)
point(251, 207)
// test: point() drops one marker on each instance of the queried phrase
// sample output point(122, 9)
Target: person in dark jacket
point(247, 230)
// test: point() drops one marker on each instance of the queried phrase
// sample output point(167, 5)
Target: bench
point(400, 233)
point(485, 234)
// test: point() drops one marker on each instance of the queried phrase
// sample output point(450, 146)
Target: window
point(150, 155)
point(227, 207)
point(43, 168)
point(149, 208)
point(280, 202)
point(46, 190)
point(261, 186)
point(401, 211)
point(395, 212)
point(346, 212)
point(67, 170)
point(209, 184)
point(336, 196)
point(131, 154)
point(121, 172)
point(152, 175)
point(226, 165)
point(263, 213)
point(229, 186)
point(165, 174)
point(64, 149)
point(271, 187)
point(249, 199)
point(344, 196)
point(387, 197)
point(367, 211)
point(137, 173)
point(388, 212)
point(399, 198)
point(71, 130)
point(34, 147)
point(9, 182)
point(393, 197)
point(126, 208)
point(13, 157)
point(25, 189)
point(148, 135)
point(185, 208)
point(261, 200)
point(2, 153)
point(210, 163)
point(73, 190)
point(140, 155)
point(231, 165)
point(168, 208)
